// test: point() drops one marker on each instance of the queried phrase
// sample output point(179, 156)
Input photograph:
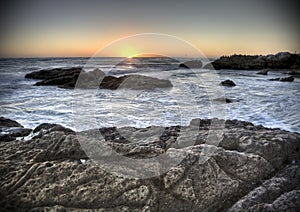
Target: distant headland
point(281, 60)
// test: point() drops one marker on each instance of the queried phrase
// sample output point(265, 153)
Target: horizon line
point(212, 57)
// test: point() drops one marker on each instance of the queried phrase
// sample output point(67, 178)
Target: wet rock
point(295, 73)
point(143, 82)
point(48, 74)
point(59, 80)
point(228, 83)
point(46, 128)
point(69, 79)
point(10, 130)
point(263, 72)
point(283, 79)
point(251, 168)
point(5, 123)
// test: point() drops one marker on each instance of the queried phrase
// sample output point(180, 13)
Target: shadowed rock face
point(252, 168)
point(69, 78)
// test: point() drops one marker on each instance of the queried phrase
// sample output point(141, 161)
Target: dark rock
point(10, 130)
point(134, 82)
point(274, 79)
point(252, 168)
point(4, 123)
point(59, 81)
point(17, 131)
point(6, 138)
point(69, 78)
point(226, 100)
point(282, 60)
point(287, 79)
point(283, 79)
point(228, 83)
point(263, 72)
point(47, 74)
point(191, 64)
point(294, 73)
point(46, 128)
point(143, 82)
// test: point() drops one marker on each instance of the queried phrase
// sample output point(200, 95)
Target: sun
point(128, 51)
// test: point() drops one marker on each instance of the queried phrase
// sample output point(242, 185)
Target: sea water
point(256, 99)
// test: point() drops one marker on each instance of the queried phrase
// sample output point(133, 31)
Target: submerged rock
point(228, 83)
point(263, 72)
point(226, 100)
point(283, 79)
point(252, 168)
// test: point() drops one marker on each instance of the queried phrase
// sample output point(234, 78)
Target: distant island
point(281, 60)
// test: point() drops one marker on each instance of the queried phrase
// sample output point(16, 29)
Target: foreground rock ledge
point(252, 169)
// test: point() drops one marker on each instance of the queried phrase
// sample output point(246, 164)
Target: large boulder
point(253, 168)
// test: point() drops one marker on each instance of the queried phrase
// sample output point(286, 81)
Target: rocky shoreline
point(253, 168)
point(281, 61)
point(77, 77)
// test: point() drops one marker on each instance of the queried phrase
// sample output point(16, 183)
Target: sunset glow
point(69, 29)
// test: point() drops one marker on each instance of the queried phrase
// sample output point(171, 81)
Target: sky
point(38, 28)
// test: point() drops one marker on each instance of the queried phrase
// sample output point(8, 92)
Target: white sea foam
point(270, 103)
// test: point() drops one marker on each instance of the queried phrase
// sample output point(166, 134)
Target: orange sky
point(78, 28)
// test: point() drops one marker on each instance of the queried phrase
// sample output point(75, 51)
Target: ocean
point(195, 94)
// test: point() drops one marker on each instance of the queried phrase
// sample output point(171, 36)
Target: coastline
point(51, 171)
point(279, 61)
